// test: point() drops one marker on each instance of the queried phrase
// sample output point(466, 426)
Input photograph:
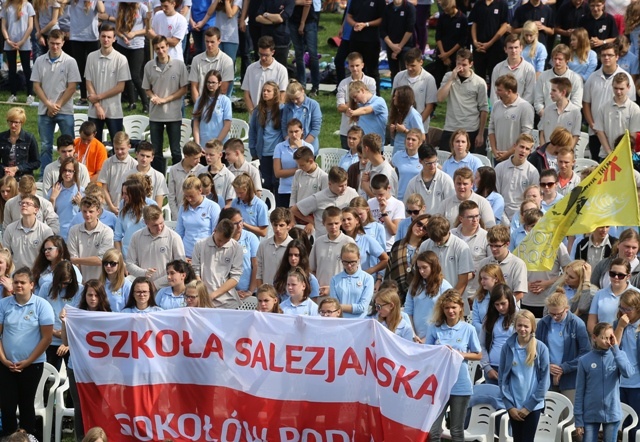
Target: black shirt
point(280, 32)
point(569, 17)
point(602, 28)
point(397, 21)
point(364, 11)
point(452, 30)
point(541, 13)
point(488, 18)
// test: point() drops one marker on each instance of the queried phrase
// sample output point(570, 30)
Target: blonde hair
point(245, 182)
point(495, 272)
point(190, 183)
point(557, 299)
point(94, 434)
point(118, 282)
point(576, 266)
point(532, 350)
point(415, 199)
point(450, 296)
point(390, 296)
point(293, 89)
point(530, 27)
point(204, 301)
point(270, 290)
point(583, 46)
point(6, 254)
point(121, 137)
point(17, 113)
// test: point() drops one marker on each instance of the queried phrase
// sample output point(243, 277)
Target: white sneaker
point(12, 99)
point(30, 100)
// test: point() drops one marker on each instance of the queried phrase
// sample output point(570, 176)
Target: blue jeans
point(609, 431)
point(308, 41)
point(156, 131)
point(231, 49)
point(46, 128)
point(114, 125)
point(457, 412)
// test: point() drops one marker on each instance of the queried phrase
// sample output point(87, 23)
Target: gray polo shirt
point(269, 257)
point(440, 188)
point(52, 173)
point(216, 265)
point(512, 180)
point(177, 175)
point(570, 118)
point(147, 251)
point(598, 91)
point(84, 244)
point(256, 76)
point(201, 64)
point(450, 208)
point(479, 247)
point(465, 102)
point(47, 214)
point(59, 73)
point(524, 73)
point(105, 72)
point(514, 270)
point(615, 119)
point(306, 184)
point(454, 256)
point(542, 99)
point(164, 81)
point(112, 174)
point(424, 88)
point(24, 243)
point(158, 181)
point(316, 203)
point(537, 300)
point(250, 170)
point(384, 168)
point(509, 121)
point(324, 259)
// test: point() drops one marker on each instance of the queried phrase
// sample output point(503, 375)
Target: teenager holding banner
point(142, 297)
point(299, 289)
point(451, 330)
point(388, 312)
point(268, 299)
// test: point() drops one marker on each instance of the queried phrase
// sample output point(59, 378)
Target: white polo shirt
point(256, 76)
point(25, 243)
point(201, 64)
point(511, 182)
point(112, 174)
point(440, 188)
point(105, 72)
point(306, 184)
point(146, 251)
point(59, 74)
point(84, 244)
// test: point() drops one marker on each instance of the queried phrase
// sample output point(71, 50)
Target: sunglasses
point(413, 212)
point(548, 184)
point(616, 275)
point(422, 226)
point(110, 263)
point(379, 306)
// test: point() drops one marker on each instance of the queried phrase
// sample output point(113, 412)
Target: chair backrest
point(78, 119)
point(387, 152)
point(329, 157)
point(483, 159)
point(239, 129)
point(135, 126)
point(551, 421)
point(49, 373)
point(583, 163)
point(536, 138)
point(443, 156)
point(582, 144)
point(185, 131)
point(269, 199)
point(249, 303)
point(481, 419)
point(627, 411)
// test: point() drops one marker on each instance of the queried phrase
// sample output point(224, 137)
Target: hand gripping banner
point(225, 375)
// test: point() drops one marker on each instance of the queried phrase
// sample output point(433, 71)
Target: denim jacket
point(576, 344)
point(598, 386)
point(311, 121)
point(26, 154)
point(256, 135)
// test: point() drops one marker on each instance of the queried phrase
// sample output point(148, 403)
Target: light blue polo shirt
point(285, 153)
point(461, 337)
point(500, 336)
point(375, 122)
point(249, 243)
point(305, 308)
point(168, 301)
point(197, 223)
point(451, 165)
point(421, 308)
point(404, 329)
point(21, 326)
point(522, 377)
point(370, 251)
point(408, 167)
point(403, 228)
point(272, 137)
point(65, 208)
point(376, 230)
point(255, 214)
point(348, 159)
point(605, 304)
point(58, 305)
point(221, 113)
point(356, 289)
point(555, 341)
point(150, 309)
point(629, 344)
point(118, 298)
point(413, 120)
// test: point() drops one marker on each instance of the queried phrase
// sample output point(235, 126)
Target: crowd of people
point(421, 246)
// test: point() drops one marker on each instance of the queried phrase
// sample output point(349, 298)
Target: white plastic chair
point(583, 163)
point(269, 199)
point(329, 157)
point(249, 303)
point(483, 159)
point(61, 410)
point(582, 144)
point(443, 156)
point(239, 129)
point(481, 424)
point(78, 119)
point(474, 367)
point(536, 138)
point(171, 224)
point(627, 411)
point(387, 152)
point(49, 373)
point(136, 126)
point(551, 427)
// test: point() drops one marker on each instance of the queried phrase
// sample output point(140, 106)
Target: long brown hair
point(406, 99)
point(126, 18)
point(136, 203)
point(430, 285)
point(271, 107)
point(204, 110)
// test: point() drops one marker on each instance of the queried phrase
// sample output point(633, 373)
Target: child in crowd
point(407, 161)
point(142, 297)
point(353, 287)
point(330, 308)
point(497, 328)
point(489, 276)
point(367, 110)
point(197, 295)
point(533, 51)
point(254, 211)
point(403, 116)
point(179, 274)
point(295, 255)
point(354, 140)
point(284, 164)
point(371, 227)
point(271, 251)
point(238, 164)
point(268, 299)
point(114, 169)
point(113, 277)
point(387, 310)
point(385, 208)
point(414, 206)
point(299, 289)
point(197, 215)
point(460, 146)
point(89, 150)
point(189, 166)
point(222, 177)
point(374, 258)
point(145, 155)
point(309, 178)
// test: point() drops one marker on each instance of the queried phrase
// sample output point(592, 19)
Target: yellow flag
point(607, 197)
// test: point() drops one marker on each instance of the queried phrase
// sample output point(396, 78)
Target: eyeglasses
point(14, 122)
point(110, 263)
point(239, 223)
point(413, 212)
point(471, 217)
point(421, 226)
point(189, 297)
point(263, 55)
point(557, 315)
point(616, 275)
point(431, 163)
point(212, 83)
point(625, 309)
point(69, 171)
point(549, 184)
point(496, 246)
point(349, 263)
point(27, 204)
point(141, 292)
point(379, 306)
point(50, 249)
point(327, 312)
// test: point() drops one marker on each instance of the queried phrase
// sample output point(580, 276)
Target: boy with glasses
point(432, 184)
point(23, 238)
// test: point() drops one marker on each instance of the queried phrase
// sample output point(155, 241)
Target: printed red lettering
point(385, 367)
point(186, 345)
point(428, 388)
point(370, 362)
point(259, 356)
point(291, 358)
point(96, 339)
point(331, 365)
point(350, 361)
point(174, 345)
point(272, 359)
point(214, 345)
point(117, 349)
point(318, 353)
point(241, 345)
point(140, 344)
point(403, 379)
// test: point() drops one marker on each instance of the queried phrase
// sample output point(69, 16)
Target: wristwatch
point(383, 214)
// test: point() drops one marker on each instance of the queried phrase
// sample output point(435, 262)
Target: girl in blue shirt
point(179, 274)
point(626, 332)
point(250, 243)
point(460, 145)
point(533, 52)
point(299, 289)
point(370, 226)
point(485, 184)
point(524, 377)
point(65, 195)
point(254, 211)
point(295, 255)
point(497, 328)
point(302, 108)
point(450, 329)
point(142, 297)
point(63, 290)
point(130, 216)
point(604, 307)
point(414, 207)
point(406, 161)
point(113, 276)
point(268, 299)
point(197, 216)
point(427, 285)
point(93, 299)
point(387, 310)
point(352, 287)
point(374, 258)
point(583, 60)
point(196, 295)
point(265, 132)
point(53, 250)
point(212, 111)
point(284, 165)
point(598, 386)
point(489, 276)
point(403, 117)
